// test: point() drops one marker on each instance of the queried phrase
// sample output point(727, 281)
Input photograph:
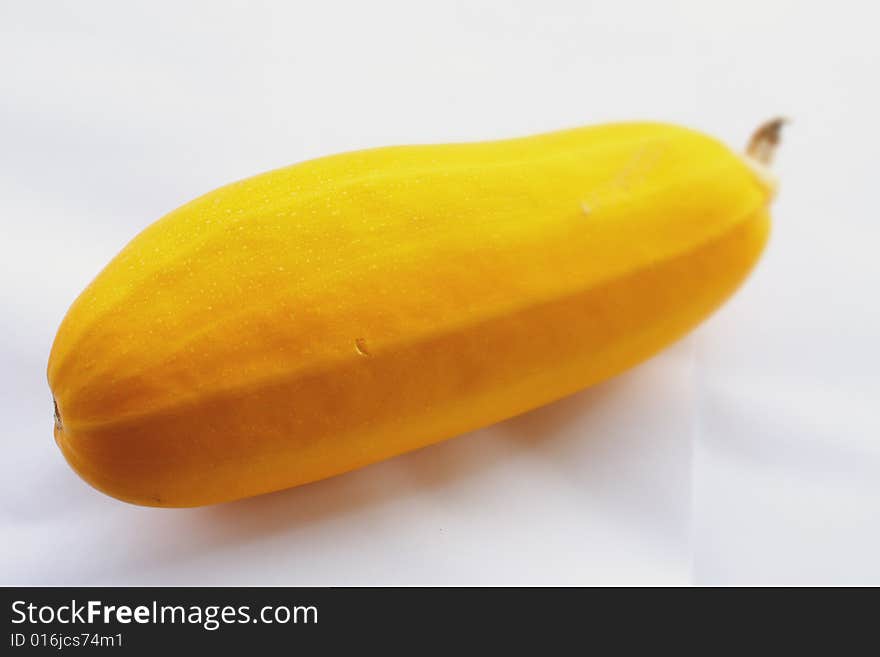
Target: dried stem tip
point(762, 145)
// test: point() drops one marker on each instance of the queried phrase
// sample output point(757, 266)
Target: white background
point(747, 453)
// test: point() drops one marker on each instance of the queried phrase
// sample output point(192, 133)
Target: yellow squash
point(317, 318)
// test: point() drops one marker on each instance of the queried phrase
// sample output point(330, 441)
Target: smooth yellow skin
point(331, 314)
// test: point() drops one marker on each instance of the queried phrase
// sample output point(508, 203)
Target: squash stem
point(765, 140)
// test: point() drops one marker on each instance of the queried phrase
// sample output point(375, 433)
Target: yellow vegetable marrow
point(321, 317)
